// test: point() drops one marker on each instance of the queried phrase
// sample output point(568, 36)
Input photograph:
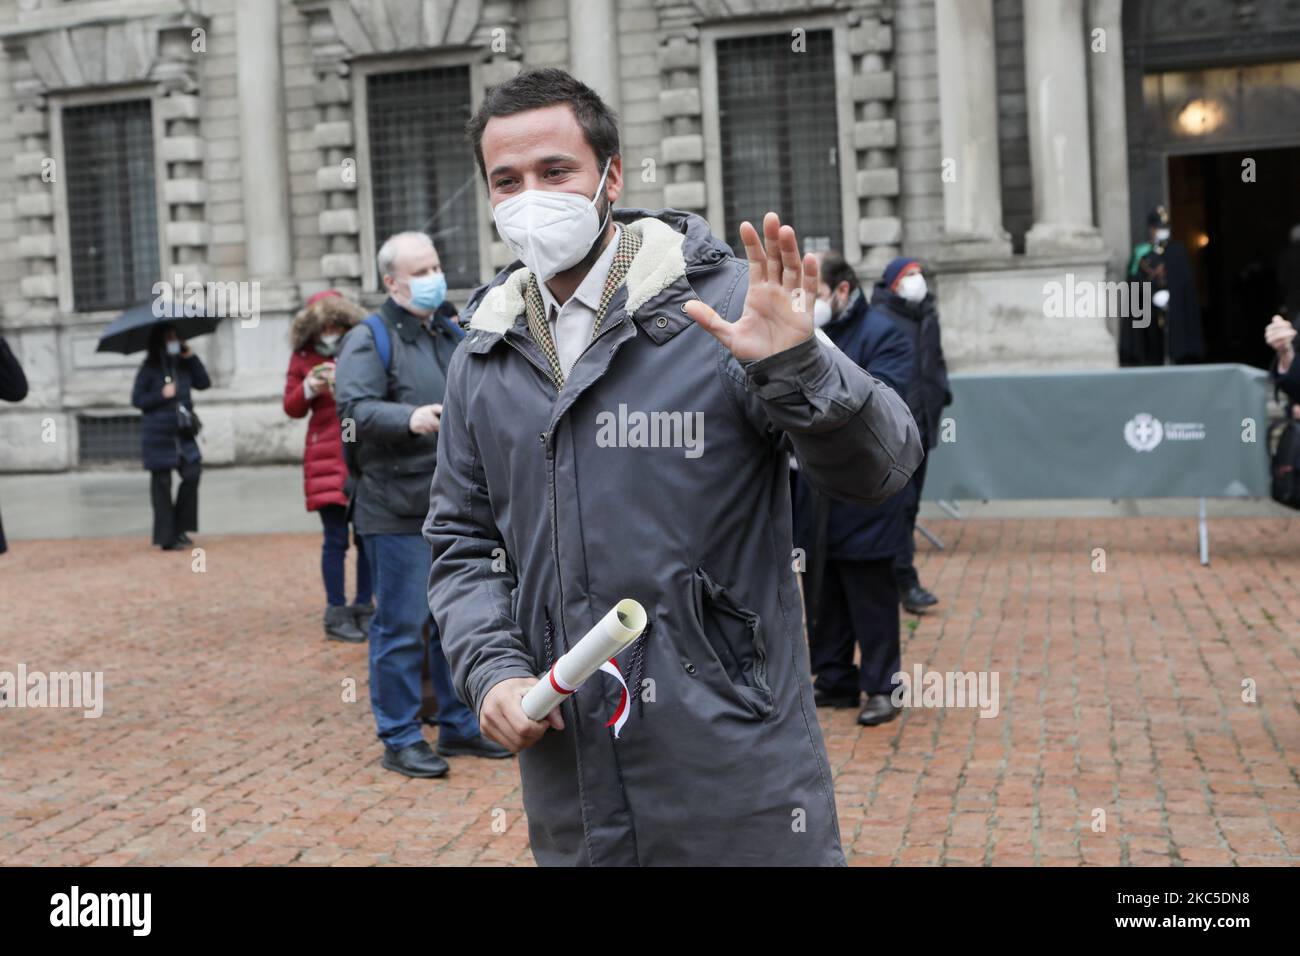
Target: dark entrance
point(1209, 84)
point(1235, 231)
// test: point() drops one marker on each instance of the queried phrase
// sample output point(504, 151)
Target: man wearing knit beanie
point(902, 297)
point(849, 586)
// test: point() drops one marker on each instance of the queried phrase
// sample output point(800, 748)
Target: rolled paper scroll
point(613, 632)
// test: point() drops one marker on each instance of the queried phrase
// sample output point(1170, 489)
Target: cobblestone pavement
point(1121, 701)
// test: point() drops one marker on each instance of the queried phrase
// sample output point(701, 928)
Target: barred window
point(780, 142)
point(421, 167)
point(108, 438)
point(108, 166)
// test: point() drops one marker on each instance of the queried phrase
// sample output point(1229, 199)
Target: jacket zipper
point(548, 438)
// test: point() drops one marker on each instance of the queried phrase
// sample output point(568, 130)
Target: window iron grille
point(422, 169)
point(779, 136)
point(108, 438)
point(108, 167)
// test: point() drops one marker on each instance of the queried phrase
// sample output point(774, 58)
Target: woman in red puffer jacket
point(309, 388)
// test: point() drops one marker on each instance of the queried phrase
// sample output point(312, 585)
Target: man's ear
point(614, 179)
point(844, 291)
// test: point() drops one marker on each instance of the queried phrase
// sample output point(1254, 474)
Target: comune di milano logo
point(1144, 432)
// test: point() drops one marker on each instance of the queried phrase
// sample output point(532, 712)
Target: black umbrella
point(130, 331)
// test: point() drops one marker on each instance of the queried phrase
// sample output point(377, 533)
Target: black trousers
point(170, 519)
point(859, 604)
point(904, 568)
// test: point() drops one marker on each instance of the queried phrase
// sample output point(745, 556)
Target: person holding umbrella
point(168, 427)
point(168, 432)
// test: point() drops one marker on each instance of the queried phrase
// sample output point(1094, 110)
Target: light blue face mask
point(427, 292)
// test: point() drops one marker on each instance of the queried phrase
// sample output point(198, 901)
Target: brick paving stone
point(1120, 700)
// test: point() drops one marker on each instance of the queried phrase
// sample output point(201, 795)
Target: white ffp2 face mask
point(550, 230)
point(912, 287)
point(821, 312)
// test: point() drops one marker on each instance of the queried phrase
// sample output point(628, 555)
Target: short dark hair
point(540, 87)
point(835, 270)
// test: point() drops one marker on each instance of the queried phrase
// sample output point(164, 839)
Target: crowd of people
point(389, 381)
point(457, 459)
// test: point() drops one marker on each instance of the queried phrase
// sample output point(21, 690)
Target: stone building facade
point(278, 139)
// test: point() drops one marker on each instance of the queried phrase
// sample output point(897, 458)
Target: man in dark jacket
point(849, 586)
point(629, 438)
point(389, 394)
point(902, 297)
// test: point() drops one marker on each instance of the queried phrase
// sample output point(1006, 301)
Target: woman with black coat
point(167, 433)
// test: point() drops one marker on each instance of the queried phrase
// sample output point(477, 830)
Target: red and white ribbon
point(558, 685)
point(624, 708)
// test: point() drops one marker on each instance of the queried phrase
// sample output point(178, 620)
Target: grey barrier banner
point(1173, 431)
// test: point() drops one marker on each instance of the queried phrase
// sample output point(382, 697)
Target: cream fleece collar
point(658, 264)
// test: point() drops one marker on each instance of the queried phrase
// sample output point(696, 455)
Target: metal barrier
point(1192, 431)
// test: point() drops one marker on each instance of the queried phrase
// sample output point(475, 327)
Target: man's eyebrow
point(544, 161)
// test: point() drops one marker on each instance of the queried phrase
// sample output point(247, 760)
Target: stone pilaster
point(680, 105)
point(35, 171)
point(1060, 150)
point(333, 135)
point(875, 137)
point(1109, 128)
point(593, 48)
point(968, 112)
point(184, 187)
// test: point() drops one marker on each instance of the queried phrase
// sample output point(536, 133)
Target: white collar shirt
point(572, 323)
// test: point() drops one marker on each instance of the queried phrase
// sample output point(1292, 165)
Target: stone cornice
point(98, 44)
point(67, 16)
point(378, 27)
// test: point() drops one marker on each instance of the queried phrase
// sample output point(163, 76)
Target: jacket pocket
point(406, 492)
point(734, 635)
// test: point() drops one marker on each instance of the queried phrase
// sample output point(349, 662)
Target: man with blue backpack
point(389, 386)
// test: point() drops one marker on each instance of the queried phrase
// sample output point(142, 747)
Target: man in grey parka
point(617, 424)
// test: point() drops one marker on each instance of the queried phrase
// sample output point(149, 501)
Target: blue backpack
point(384, 345)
